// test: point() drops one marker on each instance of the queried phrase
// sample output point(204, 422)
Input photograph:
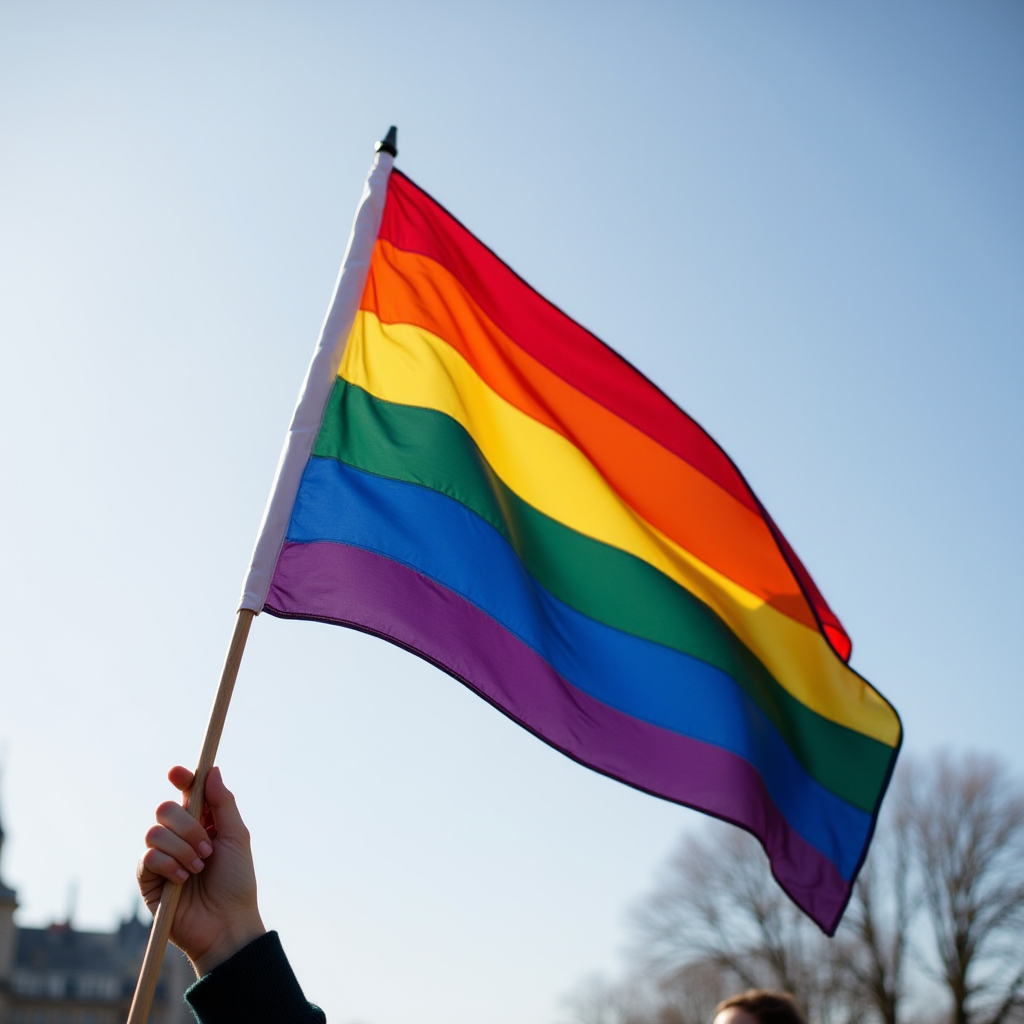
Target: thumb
point(221, 802)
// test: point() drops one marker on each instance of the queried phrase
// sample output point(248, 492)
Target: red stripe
point(413, 221)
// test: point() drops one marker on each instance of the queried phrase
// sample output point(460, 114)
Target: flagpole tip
point(389, 144)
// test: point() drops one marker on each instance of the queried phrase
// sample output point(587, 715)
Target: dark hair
point(767, 1007)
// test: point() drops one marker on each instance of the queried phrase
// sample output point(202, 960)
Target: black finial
point(389, 144)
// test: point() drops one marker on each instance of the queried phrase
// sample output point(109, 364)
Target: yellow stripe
point(409, 366)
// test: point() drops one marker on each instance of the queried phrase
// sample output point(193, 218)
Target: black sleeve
point(256, 985)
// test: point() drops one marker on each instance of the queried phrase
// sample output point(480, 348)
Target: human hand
point(217, 914)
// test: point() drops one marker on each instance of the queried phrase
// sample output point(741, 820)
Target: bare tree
point(717, 905)
point(969, 824)
point(690, 995)
point(876, 930)
point(947, 861)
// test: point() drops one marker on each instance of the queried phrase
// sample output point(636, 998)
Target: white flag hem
point(316, 388)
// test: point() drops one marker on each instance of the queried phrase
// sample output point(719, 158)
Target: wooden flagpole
point(298, 443)
point(161, 930)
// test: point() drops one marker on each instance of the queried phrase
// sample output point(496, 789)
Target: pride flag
point(473, 476)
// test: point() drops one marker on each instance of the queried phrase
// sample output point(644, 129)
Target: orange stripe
point(668, 492)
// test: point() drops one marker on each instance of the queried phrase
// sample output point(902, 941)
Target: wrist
point(234, 936)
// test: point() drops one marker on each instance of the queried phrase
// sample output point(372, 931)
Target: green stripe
point(426, 447)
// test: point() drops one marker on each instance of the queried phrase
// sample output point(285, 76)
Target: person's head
point(758, 1006)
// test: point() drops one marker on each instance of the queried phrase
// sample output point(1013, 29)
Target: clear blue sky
point(805, 220)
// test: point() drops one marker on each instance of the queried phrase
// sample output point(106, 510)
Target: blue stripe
point(442, 539)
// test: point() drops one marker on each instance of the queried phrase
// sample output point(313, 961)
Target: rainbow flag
point(475, 477)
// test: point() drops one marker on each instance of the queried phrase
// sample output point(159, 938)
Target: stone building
point(60, 975)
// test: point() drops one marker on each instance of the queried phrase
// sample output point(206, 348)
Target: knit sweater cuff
point(255, 985)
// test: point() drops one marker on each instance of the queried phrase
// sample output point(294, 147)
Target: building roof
point(60, 947)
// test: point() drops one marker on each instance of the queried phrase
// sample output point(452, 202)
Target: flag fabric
point(475, 477)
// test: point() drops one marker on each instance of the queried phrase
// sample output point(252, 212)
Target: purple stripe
point(355, 587)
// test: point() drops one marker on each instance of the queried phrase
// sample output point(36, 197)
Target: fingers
point(179, 836)
point(178, 844)
point(181, 778)
point(219, 802)
point(151, 885)
point(156, 866)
